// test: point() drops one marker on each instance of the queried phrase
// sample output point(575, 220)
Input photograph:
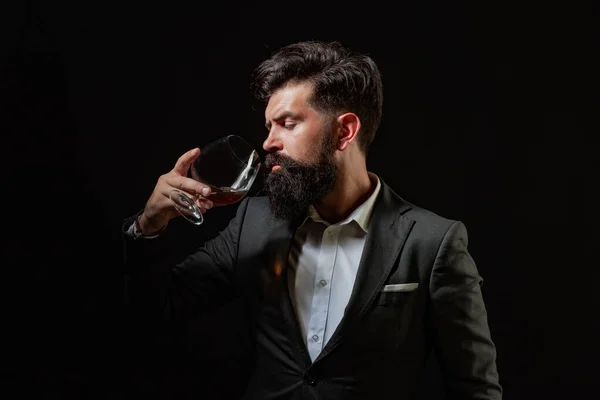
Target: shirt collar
point(361, 214)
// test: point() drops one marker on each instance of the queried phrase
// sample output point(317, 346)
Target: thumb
point(183, 163)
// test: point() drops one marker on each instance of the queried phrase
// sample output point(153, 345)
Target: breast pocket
point(393, 299)
point(388, 320)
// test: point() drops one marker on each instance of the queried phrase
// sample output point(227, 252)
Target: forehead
point(293, 96)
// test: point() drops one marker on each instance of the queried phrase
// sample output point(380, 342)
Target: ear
point(348, 127)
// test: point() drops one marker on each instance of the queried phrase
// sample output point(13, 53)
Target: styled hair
point(342, 81)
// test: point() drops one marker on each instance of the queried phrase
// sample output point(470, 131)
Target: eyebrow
point(283, 115)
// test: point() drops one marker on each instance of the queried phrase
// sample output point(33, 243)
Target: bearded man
point(347, 286)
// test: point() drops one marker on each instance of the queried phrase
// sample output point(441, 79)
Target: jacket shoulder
point(424, 218)
point(428, 224)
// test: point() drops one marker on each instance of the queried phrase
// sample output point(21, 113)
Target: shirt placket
point(322, 291)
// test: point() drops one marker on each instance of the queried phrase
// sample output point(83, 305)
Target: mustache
point(284, 161)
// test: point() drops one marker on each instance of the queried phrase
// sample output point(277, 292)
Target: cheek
point(306, 144)
point(297, 148)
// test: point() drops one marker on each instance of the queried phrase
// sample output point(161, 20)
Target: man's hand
point(159, 208)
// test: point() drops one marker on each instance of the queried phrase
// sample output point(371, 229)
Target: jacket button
point(310, 379)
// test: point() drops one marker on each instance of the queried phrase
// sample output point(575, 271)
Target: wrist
point(147, 227)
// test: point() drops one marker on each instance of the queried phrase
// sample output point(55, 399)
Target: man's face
point(300, 167)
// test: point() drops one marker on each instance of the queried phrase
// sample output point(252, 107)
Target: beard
point(298, 184)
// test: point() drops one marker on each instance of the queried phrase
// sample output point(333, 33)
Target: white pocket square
point(400, 287)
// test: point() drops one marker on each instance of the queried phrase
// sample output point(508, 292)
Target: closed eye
point(287, 119)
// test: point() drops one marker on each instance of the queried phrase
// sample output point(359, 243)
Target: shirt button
point(315, 338)
point(323, 283)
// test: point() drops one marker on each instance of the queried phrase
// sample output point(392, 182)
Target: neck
point(350, 191)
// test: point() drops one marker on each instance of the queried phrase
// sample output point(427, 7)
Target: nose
point(272, 143)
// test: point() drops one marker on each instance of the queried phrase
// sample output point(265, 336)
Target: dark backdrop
point(486, 120)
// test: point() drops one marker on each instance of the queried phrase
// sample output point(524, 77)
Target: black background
point(486, 119)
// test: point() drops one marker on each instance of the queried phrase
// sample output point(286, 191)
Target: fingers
point(195, 189)
point(187, 185)
point(183, 163)
point(204, 204)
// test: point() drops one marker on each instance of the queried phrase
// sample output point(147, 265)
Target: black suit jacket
point(380, 347)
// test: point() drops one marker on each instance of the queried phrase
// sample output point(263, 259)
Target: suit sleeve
point(461, 336)
point(203, 280)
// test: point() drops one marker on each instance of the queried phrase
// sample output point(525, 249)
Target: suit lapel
point(386, 236)
point(282, 233)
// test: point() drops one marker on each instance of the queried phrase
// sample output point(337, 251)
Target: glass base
point(186, 206)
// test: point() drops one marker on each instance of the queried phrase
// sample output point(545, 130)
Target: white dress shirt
point(322, 266)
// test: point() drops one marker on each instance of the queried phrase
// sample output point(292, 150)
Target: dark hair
point(343, 81)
